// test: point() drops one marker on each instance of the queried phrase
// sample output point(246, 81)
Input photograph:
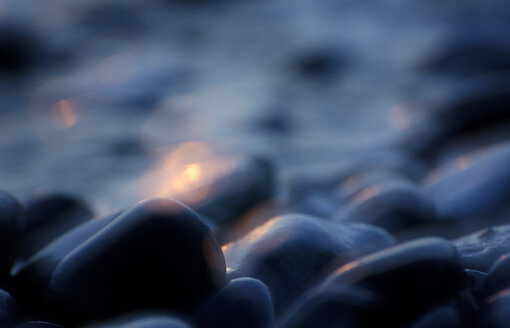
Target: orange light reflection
point(64, 113)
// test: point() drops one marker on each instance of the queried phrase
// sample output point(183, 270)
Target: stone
point(395, 205)
point(144, 320)
point(157, 254)
point(244, 302)
point(440, 317)
point(480, 250)
point(428, 267)
point(49, 216)
point(290, 253)
point(11, 226)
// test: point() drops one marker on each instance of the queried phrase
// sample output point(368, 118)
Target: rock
point(476, 281)
point(37, 271)
point(48, 217)
point(244, 302)
point(11, 226)
point(472, 185)
point(395, 205)
point(470, 50)
point(39, 324)
point(480, 250)
point(144, 320)
point(9, 311)
point(340, 306)
point(289, 253)
point(248, 183)
point(428, 267)
point(499, 275)
point(158, 254)
point(495, 313)
point(440, 317)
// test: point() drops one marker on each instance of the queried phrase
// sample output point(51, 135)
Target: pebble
point(341, 306)
point(249, 183)
point(480, 250)
point(49, 216)
point(159, 253)
point(9, 310)
point(440, 317)
point(144, 320)
point(473, 185)
point(410, 277)
point(11, 226)
point(289, 253)
point(395, 205)
point(244, 302)
point(499, 275)
point(495, 313)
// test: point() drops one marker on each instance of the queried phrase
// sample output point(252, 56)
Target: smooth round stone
point(472, 185)
point(471, 50)
point(39, 324)
point(158, 254)
point(49, 216)
point(339, 306)
point(410, 277)
point(249, 183)
point(244, 302)
point(37, 271)
point(499, 275)
point(394, 205)
point(9, 312)
point(441, 317)
point(11, 226)
point(356, 183)
point(144, 320)
point(480, 250)
point(495, 314)
point(290, 253)
point(476, 281)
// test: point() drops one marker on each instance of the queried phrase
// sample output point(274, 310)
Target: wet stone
point(39, 324)
point(143, 320)
point(9, 310)
point(248, 184)
point(11, 226)
point(157, 254)
point(340, 306)
point(495, 313)
point(49, 216)
point(441, 317)
point(290, 253)
point(394, 205)
point(472, 185)
point(244, 302)
point(37, 271)
point(427, 267)
point(499, 275)
point(480, 250)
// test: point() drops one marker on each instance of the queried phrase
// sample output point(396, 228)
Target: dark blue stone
point(37, 271)
point(248, 184)
point(495, 313)
point(144, 320)
point(9, 310)
point(49, 216)
point(11, 226)
point(244, 302)
point(290, 253)
point(395, 205)
point(440, 317)
point(339, 306)
point(410, 277)
point(157, 254)
point(480, 250)
point(472, 185)
point(499, 275)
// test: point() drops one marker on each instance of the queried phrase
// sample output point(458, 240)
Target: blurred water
point(127, 81)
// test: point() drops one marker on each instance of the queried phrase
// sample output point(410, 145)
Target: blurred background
point(117, 101)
